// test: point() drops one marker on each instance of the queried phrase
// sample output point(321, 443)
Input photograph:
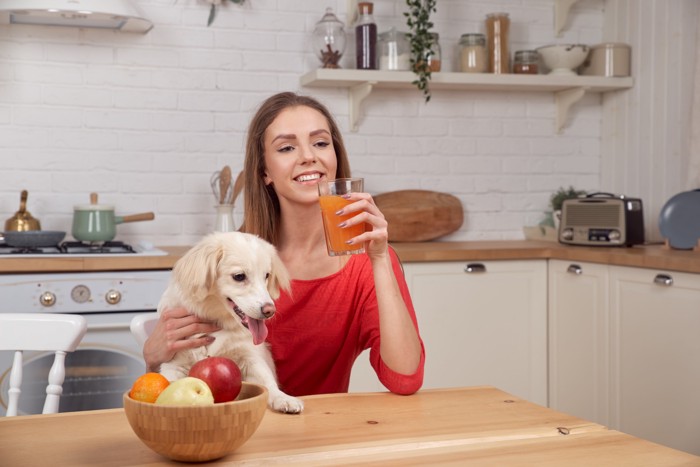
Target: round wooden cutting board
point(420, 215)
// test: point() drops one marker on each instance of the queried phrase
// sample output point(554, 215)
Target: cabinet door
point(483, 323)
point(655, 347)
point(578, 339)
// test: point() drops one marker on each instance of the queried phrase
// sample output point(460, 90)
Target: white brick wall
point(144, 120)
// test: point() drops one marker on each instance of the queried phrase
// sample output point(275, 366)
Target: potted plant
point(214, 8)
point(556, 200)
point(421, 41)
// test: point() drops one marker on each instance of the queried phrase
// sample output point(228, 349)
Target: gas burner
point(71, 248)
point(32, 251)
point(96, 248)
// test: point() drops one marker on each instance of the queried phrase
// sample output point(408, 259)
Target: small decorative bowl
point(563, 59)
point(198, 433)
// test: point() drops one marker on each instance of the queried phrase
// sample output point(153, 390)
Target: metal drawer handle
point(574, 269)
point(474, 267)
point(663, 279)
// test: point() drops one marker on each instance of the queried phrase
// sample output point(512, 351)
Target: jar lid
point(611, 45)
point(392, 35)
point(330, 18)
point(496, 15)
point(527, 55)
point(472, 39)
point(365, 7)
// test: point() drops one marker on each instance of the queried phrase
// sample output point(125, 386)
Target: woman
point(338, 306)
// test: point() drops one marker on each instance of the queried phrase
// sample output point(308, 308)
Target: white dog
point(231, 279)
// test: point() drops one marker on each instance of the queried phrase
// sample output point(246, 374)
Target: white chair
point(142, 325)
point(58, 333)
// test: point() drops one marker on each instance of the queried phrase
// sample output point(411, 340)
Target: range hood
point(122, 15)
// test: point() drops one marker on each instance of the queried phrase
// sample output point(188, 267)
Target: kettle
point(22, 220)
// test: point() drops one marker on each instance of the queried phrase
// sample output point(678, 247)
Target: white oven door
point(98, 373)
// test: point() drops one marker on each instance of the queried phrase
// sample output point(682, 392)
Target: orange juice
point(337, 237)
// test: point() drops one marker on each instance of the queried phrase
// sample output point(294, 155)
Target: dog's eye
point(240, 277)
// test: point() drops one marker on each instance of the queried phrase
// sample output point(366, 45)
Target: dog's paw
point(286, 404)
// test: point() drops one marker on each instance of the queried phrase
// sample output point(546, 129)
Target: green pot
point(96, 223)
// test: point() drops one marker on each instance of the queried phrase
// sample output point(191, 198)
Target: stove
point(114, 248)
point(108, 358)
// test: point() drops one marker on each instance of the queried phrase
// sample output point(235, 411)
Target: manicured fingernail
point(346, 196)
point(349, 242)
point(339, 212)
point(342, 224)
point(211, 339)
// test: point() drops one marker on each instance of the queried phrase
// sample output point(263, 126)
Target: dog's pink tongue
point(258, 330)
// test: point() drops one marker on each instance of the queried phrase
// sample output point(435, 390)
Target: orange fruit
point(147, 387)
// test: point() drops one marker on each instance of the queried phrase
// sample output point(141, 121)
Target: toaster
point(602, 219)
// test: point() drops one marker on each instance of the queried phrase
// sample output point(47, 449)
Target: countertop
point(455, 426)
point(657, 257)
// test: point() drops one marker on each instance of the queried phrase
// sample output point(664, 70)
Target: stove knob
point(47, 299)
point(113, 297)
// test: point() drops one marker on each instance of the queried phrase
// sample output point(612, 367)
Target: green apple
point(186, 391)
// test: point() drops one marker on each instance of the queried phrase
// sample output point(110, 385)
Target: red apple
point(221, 374)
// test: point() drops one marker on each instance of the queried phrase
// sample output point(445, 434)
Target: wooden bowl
point(198, 433)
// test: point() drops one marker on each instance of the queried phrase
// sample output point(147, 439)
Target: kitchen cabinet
point(624, 349)
point(482, 323)
point(655, 356)
point(578, 339)
point(360, 83)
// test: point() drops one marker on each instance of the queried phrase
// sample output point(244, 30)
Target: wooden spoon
point(224, 183)
point(237, 187)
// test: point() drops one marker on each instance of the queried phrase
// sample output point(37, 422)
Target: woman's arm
point(400, 345)
point(172, 333)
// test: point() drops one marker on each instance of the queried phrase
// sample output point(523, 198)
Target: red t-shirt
point(321, 328)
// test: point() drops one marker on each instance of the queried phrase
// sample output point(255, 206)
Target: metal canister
point(611, 59)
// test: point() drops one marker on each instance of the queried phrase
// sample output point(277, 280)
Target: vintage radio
point(602, 219)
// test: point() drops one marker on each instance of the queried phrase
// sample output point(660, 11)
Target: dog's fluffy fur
point(231, 279)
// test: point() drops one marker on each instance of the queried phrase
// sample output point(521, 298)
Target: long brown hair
point(261, 205)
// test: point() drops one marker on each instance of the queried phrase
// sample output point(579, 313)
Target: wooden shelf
point(360, 83)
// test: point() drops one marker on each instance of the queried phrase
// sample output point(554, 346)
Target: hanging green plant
point(215, 8)
point(421, 40)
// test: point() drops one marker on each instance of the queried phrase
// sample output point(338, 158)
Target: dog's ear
point(196, 271)
point(279, 276)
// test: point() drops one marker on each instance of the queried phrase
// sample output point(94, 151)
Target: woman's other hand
point(172, 333)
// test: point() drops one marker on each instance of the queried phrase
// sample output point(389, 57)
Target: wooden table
point(475, 426)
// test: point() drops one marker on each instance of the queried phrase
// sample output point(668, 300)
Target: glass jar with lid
point(472, 53)
point(329, 40)
point(394, 51)
point(435, 58)
point(526, 62)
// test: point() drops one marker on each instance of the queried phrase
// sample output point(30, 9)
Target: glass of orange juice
point(331, 200)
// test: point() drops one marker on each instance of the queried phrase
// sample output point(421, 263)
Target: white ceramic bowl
point(563, 59)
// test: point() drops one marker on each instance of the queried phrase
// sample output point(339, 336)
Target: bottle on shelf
point(366, 38)
point(497, 32)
